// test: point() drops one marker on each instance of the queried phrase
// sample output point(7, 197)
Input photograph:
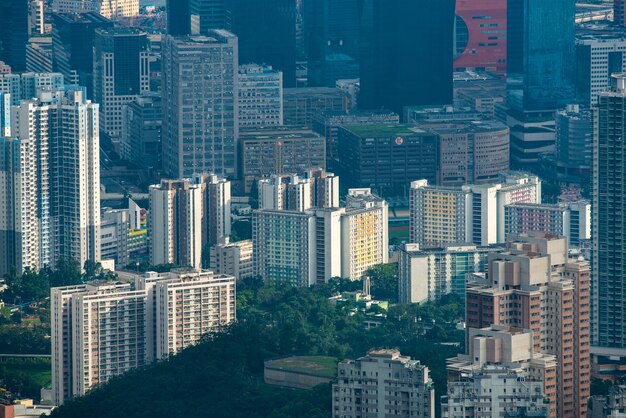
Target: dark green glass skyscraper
point(14, 33)
point(406, 57)
point(540, 54)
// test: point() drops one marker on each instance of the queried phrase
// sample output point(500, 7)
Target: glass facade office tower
point(609, 218)
point(178, 17)
point(72, 45)
point(332, 32)
point(267, 33)
point(540, 54)
point(14, 33)
point(120, 74)
point(206, 15)
point(200, 105)
point(406, 53)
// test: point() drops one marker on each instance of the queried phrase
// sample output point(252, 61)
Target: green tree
point(384, 281)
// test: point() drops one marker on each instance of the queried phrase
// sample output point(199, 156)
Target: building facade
point(535, 286)
point(608, 219)
point(120, 75)
point(111, 9)
point(280, 150)
point(427, 275)
point(163, 314)
point(142, 123)
point(260, 96)
point(467, 214)
point(200, 85)
point(387, 157)
point(302, 105)
point(477, 48)
point(395, 38)
point(233, 259)
point(383, 384)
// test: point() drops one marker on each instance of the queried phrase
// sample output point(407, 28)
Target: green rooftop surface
point(317, 365)
point(383, 130)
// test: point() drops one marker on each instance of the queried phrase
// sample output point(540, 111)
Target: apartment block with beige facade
point(233, 259)
point(535, 286)
point(383, 384)
point(500, 376)
point(102, 330)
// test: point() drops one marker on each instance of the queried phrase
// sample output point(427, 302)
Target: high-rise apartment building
point(234, 259)
point(120, 75)
point(102, 330)
point(72, 44)
point(260, 96)
point(477, 48)
point(571, 219)
point(384, 383)
point(467, 214)
point(14, 33)
point(27, 86)
point(301, 236)
point(114, 236)
point(111, 9)
point(176, 217)
point(51, 177)
point(535, 286)
point(36, 17)
point(216, 209)
point(364, 233)
point(501, 375)
point(266, 32)
point(280, 150)
point(429, 274)
point(200, 99)
point(608, 218)
point(396, 37)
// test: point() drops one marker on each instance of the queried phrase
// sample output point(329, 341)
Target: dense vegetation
point(223, 376)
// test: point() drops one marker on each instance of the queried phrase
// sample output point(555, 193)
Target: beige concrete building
point(535, 286)
point(102, 330)
point(383, 384)
point(501, 375)
point(233, 259)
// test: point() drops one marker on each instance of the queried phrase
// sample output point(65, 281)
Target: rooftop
point(316, 365)
point(384, 130)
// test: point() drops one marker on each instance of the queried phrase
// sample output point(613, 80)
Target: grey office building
point(200, 104)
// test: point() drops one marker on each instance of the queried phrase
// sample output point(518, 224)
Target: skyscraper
point(619, 7)
point(120, 74)
point(178, 17)
point(14, 33)
point(535, 286)
point(206, 15)
point(72, 45)
point(176, 223)
point(332, 32)
point(540, 54)
point(406, 54)
point(267, 33)
point(50, 178)
point(609, 220)
point(200, 105)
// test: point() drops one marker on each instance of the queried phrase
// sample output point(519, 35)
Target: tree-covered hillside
point(223, 376)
